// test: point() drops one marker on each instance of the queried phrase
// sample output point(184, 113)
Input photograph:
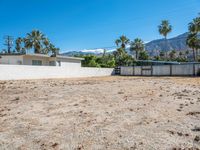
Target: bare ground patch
point(100, 113)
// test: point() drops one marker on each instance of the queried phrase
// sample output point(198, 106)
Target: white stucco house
point(40, 60)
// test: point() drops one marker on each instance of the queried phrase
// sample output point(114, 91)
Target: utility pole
point(8, 42)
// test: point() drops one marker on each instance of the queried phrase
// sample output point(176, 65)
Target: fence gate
point(117, 70)
point(146, 70)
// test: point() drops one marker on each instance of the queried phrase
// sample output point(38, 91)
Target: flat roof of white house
point(66, 57)
point(38, 55)
point(45, 56)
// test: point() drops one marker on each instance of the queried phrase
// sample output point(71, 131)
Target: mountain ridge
point(177, 43)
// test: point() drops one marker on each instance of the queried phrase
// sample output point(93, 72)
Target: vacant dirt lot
point(100, 113)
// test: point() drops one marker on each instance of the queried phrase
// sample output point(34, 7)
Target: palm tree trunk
point(194, 55)
point(36, 51)
point(166, 47)
point(136, 55)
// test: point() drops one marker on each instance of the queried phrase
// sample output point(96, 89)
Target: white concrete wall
point(70, 63)
point(15, 72)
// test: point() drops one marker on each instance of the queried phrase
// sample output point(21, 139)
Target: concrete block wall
point(18, 72)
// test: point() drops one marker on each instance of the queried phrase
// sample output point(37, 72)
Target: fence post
point(170, 69)
point(194, 71)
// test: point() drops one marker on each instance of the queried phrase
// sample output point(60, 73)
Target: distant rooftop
point(154, 62)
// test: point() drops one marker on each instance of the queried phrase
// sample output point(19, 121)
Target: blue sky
point(88, 24)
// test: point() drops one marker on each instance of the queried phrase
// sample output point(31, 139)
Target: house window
point(19, 62)
point(52, 63)
point(37, 62)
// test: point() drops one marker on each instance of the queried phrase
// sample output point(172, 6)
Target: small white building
point(40, 60)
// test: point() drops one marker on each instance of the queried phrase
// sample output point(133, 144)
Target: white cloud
point(97, 51)
point(92, 50)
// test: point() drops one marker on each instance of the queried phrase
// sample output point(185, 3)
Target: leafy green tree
point(90, 61)
point(187, 52)
point(157, 58)
point(181, 59)
point(162, 55)
point(164, 29)
point(172, 55)
point(181, 54)
point(106, 61)
point(143, 55)
point(138, 46)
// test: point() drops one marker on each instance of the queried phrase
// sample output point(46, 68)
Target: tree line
point(39, 43)
point(120, 57)
point(35, 41)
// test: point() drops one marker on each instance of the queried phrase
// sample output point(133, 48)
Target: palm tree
point(35, 40)
point(137, 45)
point(192, 42)
point(53, 49)
point(104, 53)
point(194, 29)
point(121, 56)
point(194, 26)
point(123, 40)
point(46, 44)
point(18, 43)
point(164, 29)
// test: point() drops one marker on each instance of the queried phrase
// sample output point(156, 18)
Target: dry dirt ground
point(100, 113)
